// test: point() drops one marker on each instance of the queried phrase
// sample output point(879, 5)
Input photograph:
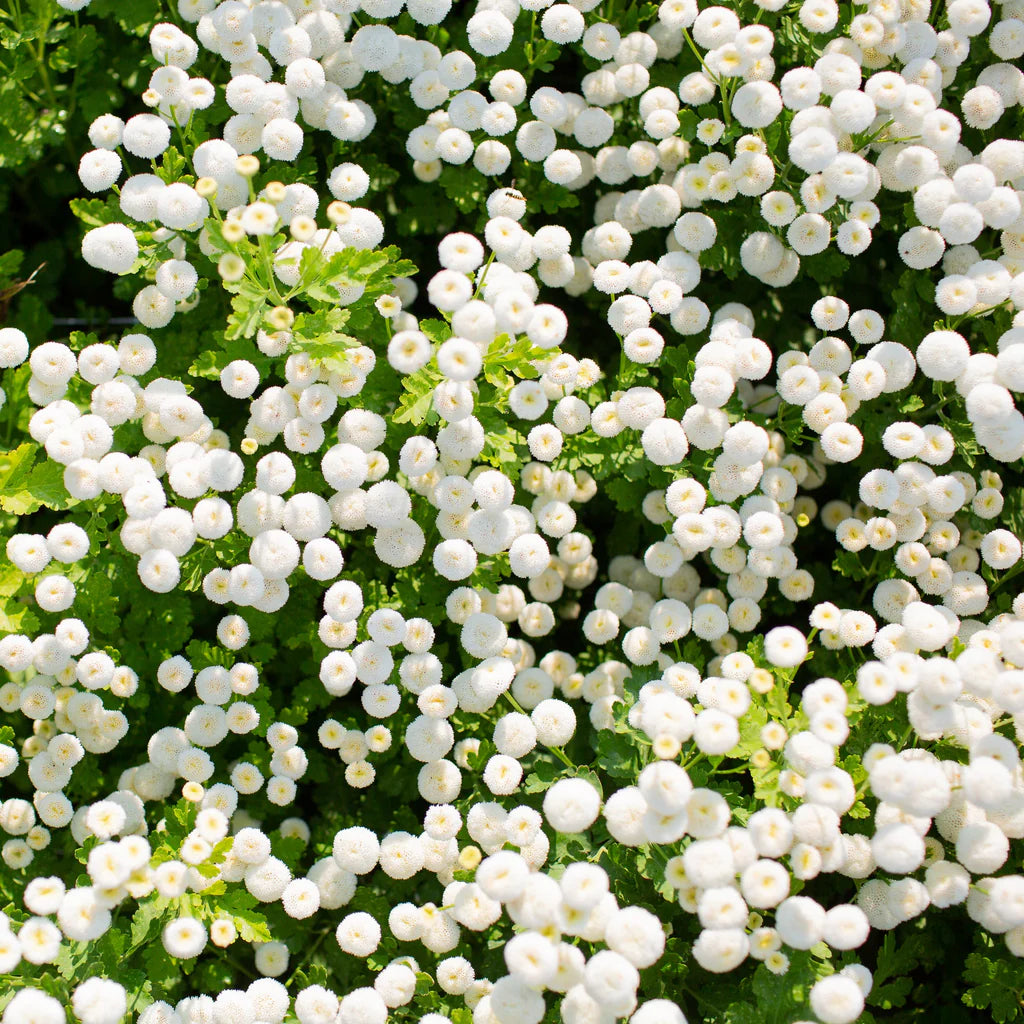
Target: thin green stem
point(1006, 577)
point(483, 276)
point(247, 971)
point(557, 751)
point(307, 958)
point(699, 55)
point(265, 259)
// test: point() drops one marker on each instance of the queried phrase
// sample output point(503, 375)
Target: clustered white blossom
point(870, 115)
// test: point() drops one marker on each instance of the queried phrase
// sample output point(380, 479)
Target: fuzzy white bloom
point(111, 247)
point(571, 805)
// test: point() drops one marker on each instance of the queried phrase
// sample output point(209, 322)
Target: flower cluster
point(625, 597)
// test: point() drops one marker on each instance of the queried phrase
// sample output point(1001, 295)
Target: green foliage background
point(57, 73)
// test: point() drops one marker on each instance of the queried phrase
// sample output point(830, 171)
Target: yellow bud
point(232, 230)
point(223, 933)
point(761, 680)
point(193, 792)
point(470, 857)
point(302, 228)
point(280, 318)
point(247, 166)
point(249, 446)
point(206, 187)
point(274, 191)
point(761, 759)
point(666, 746)
point(339, 212)
point(231, 267)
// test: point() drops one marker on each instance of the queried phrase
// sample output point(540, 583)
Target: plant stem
point(483, 276)
point(557, 751)
point(698, 55)
point(306, 959)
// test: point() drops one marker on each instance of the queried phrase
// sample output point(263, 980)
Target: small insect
point(513, 193)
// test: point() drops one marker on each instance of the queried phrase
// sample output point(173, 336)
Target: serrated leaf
point(146, 917)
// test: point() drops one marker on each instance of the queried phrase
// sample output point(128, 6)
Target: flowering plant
point(544, 550)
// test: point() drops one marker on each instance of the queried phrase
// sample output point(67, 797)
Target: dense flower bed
point(545, 551)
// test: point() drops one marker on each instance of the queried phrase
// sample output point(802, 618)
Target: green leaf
point(16, 617)
point(319, 336)
point(97, 212)
point(514, 356)
point(173, 166)
point(146, 918)
point(544, 775)
point(15, 467)
point(414, 402)
point(25, 487)
point(996, 985)
point(743, 1013)
point(240, 906)
point(782, 998)
point(436, 330)
point(46, 485)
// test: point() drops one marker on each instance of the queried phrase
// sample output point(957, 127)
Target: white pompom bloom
point(800, 922)
point(611, 980)
point(99, 169)
point(943, 355)
point(836, 999)
point(176, 279)
point(13, 347)
point(562, 24)
point(30, 1005)
point(756, 104)
point(637, 934)
point(105, 132)
point(358, 934)
point(562, 167)
point(982, 107)
point(785, 646)
point(572, 805)
point(281, 139)
point(184, 938)
point(721, 950)
point(146, 136)
point(99, 1001)
point(455, 559)
point(111, 247)
point(375, 47)
point(489, 32)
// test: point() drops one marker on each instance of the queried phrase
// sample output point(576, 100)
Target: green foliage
point(26, 486)
point(58, 72)
point(995, 985)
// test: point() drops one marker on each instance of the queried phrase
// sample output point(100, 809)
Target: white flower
point(800, 921)
point(571, 805)
point(358, 934)
point(99, 169)
point(184, 938)
point(490, 33)
point(32, 1005)
point(111, 247)
point(146, 136)
point(99, 1001)
point(611, 980)
point(721, 950)
point(836, 999)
